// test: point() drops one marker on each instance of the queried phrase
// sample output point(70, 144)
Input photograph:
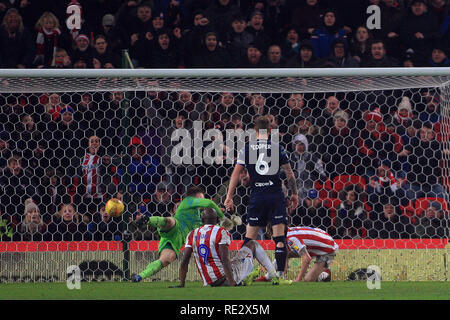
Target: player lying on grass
point(308, 243)
point(209, 243)
point(173, 230)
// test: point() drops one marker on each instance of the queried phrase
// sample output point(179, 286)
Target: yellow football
point(114, 207)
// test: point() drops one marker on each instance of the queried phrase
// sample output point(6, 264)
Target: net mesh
point(370, 156)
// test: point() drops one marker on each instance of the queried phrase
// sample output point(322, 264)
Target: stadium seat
point(340, 182)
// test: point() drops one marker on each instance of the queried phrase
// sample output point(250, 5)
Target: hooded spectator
point(419, 29)
point(291, 45)
point(440, 56)
point(307, 18)
point(165, 52)
point(305, 58)
point(260, 35)
point(212, 54)
point(238, 39)
point(340, 57)
point(323, 37)
point(103, 56)
point(221, 13)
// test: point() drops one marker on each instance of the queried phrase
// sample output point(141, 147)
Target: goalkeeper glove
point(143, 221)
point(227, 223)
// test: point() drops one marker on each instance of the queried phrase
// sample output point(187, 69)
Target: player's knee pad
point(280, 242)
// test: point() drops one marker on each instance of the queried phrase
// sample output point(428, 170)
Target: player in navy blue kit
point(264, 160)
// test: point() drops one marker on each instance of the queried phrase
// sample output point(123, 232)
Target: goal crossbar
point(220, 80)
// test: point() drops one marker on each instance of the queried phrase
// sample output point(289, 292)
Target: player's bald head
point(209, 216)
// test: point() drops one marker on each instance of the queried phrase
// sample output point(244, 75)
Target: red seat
point(422, 204)
point(342, 181)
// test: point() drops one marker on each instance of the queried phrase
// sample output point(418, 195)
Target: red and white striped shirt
point(205, 242)
point(316, 241)
point(91, 177)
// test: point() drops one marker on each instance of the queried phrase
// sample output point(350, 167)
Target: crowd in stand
point(368, 164)
point(224, 34)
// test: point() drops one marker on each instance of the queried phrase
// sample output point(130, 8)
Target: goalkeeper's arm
point(206, 203)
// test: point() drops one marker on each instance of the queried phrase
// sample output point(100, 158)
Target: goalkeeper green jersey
point(188, 217)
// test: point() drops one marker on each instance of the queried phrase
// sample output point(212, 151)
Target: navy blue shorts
point(267, 208)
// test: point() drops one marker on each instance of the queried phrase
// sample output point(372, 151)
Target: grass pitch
point(258, 291)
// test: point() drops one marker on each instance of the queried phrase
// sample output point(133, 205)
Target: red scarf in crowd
point(42, 36)
point(403, 120)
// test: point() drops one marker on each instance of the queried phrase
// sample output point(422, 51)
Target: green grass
point(259, 291)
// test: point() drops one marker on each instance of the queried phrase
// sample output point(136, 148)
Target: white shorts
point(241, 268)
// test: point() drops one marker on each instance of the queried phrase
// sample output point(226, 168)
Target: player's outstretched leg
point(167, 257)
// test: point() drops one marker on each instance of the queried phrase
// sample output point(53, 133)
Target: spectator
point(32, 227)
point(384, 184)
point(93, 180)
point(340, 57)
point(183, 105)
point(257, 108)
point(306, 58)
point(193, 38)
point(26, 137)
point(378, 57)
point(238, 39)
point(431, 111)
point(112, 35)
point(391, 19)
point(61, 59)
point(104, 57)
point(143, 169)
point(161, 203)
point(291, 46)
point(83, 50)
point(16, 186)
point(165, 53)
point(15, 42)
point(295, 107)
point(439, 56)
point(49, 37)
point(338, 147)
point(255, 27)
point(323, 37)
point(254, 57)
point(67, 225)
point(274, 57)
point(403, 118)
point(304, 125)
point(324, 117)
point(375, 143)
point(424, 154)
point(419, 29)
point(361, 44)
point(5, 148)
point(308, 168)
point(221, 12)
point(307, 18)
point(138, 29)
point(351, 214)
point(141, 232)
point(433, 223)
point(389, 223)
point(53, 194)
point(104, 227)
point(212, 55)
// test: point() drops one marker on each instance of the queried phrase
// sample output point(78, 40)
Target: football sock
point(280, 254)
point(243, 252)
point(245, 241)
point(151, 269)
point(157, 222)
point(262, 258)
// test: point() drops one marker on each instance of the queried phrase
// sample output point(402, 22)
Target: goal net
point(369, 147)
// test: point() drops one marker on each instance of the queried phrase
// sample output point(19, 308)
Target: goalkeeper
point(173, 231)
